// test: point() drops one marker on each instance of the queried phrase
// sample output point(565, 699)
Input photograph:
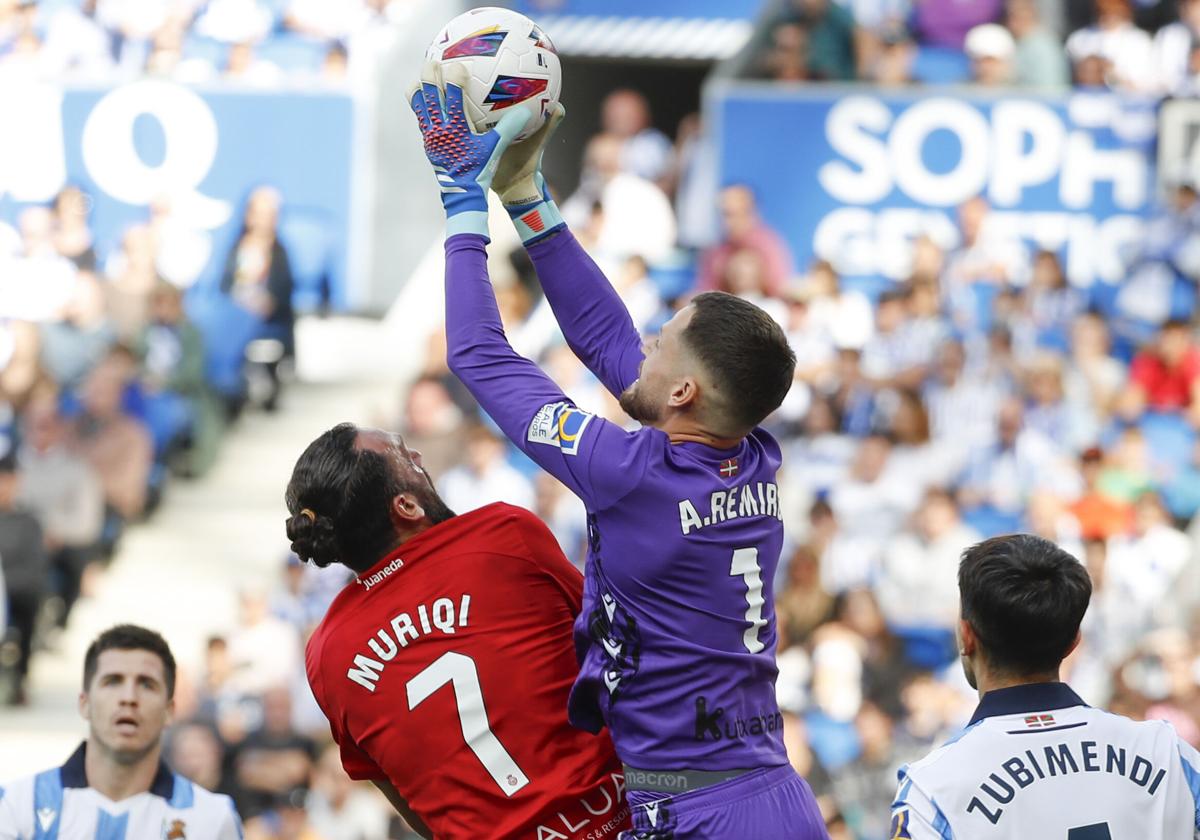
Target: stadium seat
point(928, 648)
point(206, 49)
point(227, 330)
point(834, 742)
point(305, 236)
point(293, 53)
point(1169, 438)
point(941, 65)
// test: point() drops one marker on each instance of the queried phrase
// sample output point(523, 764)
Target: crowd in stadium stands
point(1138, 47)
point(109, 388)
point(252, 42)
point(985, 393)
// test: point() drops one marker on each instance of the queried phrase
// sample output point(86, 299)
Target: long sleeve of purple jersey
point(592, 317)
point(599, 461)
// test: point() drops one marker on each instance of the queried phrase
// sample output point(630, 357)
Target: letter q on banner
point(190, 132)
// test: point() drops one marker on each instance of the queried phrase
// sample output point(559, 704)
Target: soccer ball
point(510, 60)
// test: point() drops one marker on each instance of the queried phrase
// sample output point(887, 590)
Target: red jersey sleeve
point(1143, 372)
point(357, 764)
point(547, 555)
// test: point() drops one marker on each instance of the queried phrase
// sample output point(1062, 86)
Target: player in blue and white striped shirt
point(1036, 761)
point(115, 786)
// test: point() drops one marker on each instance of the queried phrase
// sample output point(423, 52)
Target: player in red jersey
point(444, 668)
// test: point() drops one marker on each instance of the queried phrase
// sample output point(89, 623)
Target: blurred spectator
point(945, 23)
point(869, 505)
point(274, 760)
point(45, 279)
point(132, 275)
point(264, 651)
point(916, 457)
point(116, 445)
point(1069, 425)
point(991, 49)
point(1039, 62)
point(865, 788)
point(486, 476)
point(1100, 516)
point(432, 424)
point(1093, 376)
point(234, 21)
point(322, 20)
point(305, 593)
point(744, 230)
point(76, 43)
point(831, 38)
point(918, 580)
point(1124, 49)
point(72, 236)
point(258, 277)
point(70, 347)
point(844, 316)
point(25, 571)
point(636, 215)
point(1151, 560)
point(20, 348)
point(962, 406)
point(1173, 48)
point(787, 56)
point(1126, 474)
point(1002, 476)
point(245, 66)
point(802, 605)
point(65, 494)
point(1052, 302)
point(1165, 376)
point(889, 62)
point(891, 359)
point(645, 151)
point(986, 259)
point(564, 514)
point(178, 400)
point(194, 751)
point(340, 809)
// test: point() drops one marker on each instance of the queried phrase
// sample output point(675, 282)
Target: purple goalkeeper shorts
point(769, 804)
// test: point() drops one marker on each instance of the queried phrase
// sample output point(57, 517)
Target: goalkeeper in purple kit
point(676, 640)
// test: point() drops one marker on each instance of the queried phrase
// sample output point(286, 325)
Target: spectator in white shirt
point(1173, 47)
point(637, 218)
point(625, 114)
point(1126, 50)
point(918, 579)
point(486, 476)
point(962, 408)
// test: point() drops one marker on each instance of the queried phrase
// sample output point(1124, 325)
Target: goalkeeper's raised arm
point(592, 317)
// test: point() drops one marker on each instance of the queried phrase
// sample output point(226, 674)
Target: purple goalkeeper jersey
point(676, 641)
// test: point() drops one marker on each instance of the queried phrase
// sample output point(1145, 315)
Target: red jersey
point(445, 669)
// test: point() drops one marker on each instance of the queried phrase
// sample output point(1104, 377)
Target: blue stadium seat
point(305, 236)
point(1170, 439)
point(990, 522)
point(227, 330)
point(929, 648)
point(835, 743)
point(293, 53)
point(206, 49)
point(941, 65)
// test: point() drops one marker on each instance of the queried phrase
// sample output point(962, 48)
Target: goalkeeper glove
point(464, 160)
point(521, 187)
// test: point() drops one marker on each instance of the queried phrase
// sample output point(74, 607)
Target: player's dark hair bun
point(313, 538)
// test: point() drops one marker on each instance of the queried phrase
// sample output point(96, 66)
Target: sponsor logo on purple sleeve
point(559, 424)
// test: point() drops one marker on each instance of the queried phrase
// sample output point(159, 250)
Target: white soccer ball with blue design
point(510, 61)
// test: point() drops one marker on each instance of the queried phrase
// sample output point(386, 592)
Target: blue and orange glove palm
point(464, 159)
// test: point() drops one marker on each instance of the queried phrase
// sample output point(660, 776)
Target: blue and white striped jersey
point(57, 804)
point(1036, 761)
